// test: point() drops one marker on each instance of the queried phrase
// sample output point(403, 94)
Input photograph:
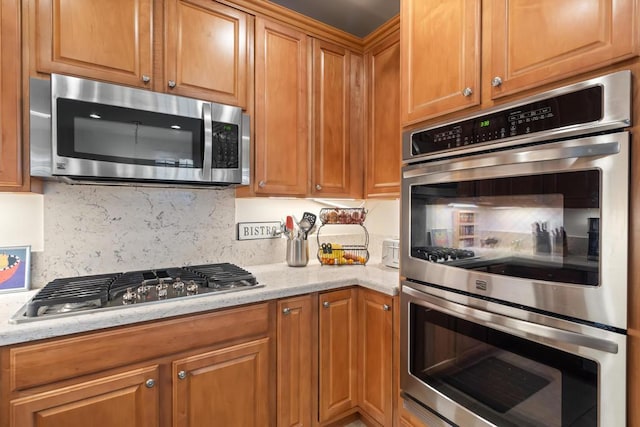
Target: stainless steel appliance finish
point(514, 225)
point(222, 158)
point(391, 253)
point(87, 294)
point(616, 113)
point(605, 303)
point(605, 348)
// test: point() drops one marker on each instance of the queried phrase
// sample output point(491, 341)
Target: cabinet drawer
point(56, 360)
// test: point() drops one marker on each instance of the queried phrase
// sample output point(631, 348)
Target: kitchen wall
point(79, 230)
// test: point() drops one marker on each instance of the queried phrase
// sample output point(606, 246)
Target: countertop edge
point(279, 280)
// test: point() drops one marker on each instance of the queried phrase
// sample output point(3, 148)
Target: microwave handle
point(512, 326)
point(518, 156)
point(207, 155)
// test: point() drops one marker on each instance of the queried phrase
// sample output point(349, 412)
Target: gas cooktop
point(74, 295)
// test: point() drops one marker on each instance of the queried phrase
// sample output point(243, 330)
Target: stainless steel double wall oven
point(514, 249)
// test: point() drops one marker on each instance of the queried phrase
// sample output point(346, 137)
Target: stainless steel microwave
point(88, 131)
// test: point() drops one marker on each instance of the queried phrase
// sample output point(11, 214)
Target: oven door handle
point(537, 154)
point(558, 338)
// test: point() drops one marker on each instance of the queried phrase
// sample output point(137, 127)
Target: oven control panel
point(573, 108)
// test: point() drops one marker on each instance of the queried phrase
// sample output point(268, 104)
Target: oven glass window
point(504, 379)
point(123, 135)
point(543, 227)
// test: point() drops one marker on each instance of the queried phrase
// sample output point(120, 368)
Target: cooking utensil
point(289, 226)
point(311, 218)
point(305, 226)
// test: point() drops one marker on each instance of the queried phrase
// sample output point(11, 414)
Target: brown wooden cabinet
point(127, 399)
point(307, 92)
point(197, 365)
point(282, 110)
point(336, 170)
point(294, 332)
point(205, 45)
point(230, 386)
point(384, 145)
point(541, 41)
point(440, 54)
point(525, 44)
point(109, 41)
point(375, 344)
point(206, 51)
point(11, 161)
point(338, 370)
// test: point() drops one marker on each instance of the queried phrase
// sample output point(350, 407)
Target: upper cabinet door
point(206, 51)
point(10, 136)
point(440, 57)
point(282, 110)
point(539, 41)
point(331, 142)
point(384, 141)
point(106, 40)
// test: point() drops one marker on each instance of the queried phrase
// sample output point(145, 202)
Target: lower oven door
point(469, 367)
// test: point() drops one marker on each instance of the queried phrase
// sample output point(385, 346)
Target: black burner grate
point(107, 290)
point(223, 274)
point(72, 290)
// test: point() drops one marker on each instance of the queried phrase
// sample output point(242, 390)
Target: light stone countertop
point(279, 281)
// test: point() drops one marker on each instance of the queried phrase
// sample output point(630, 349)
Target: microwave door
point(107, 132)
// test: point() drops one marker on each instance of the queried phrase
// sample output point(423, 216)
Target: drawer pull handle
point(182, 375)
point(326, 304)
point(150, 383)
point(386, 307)
point(286, 311)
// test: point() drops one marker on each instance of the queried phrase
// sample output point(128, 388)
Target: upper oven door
point(542, 226)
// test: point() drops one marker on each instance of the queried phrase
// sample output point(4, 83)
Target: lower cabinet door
point(338, 353)
point(294, 362)
point(375, 323)
point(226, 387)
point(129, 399)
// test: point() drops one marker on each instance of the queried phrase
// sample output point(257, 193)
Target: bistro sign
point(258, 230)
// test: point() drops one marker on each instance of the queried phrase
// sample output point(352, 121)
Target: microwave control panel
point(226, 147)
point(573, 108)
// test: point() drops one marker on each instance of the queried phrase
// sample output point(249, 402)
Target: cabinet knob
point(261, 184)
point(326, 304)
point(171, 84)
point(150, 383)
point(146, 79)
point(182, 375)
point(318, 187)
point(496, 81)
point(386, 307)
point(467, 91)
point(286, 311)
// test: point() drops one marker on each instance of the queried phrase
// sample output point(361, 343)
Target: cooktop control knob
point(192, 287)
point(178, 285)
point(129, 297)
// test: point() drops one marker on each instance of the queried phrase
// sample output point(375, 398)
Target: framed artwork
point(440, 237)
point(15, 266)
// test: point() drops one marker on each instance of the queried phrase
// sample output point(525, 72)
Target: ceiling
point(358, 17)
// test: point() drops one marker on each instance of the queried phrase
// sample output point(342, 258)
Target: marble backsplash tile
point(93, 229)
point(98, 229)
